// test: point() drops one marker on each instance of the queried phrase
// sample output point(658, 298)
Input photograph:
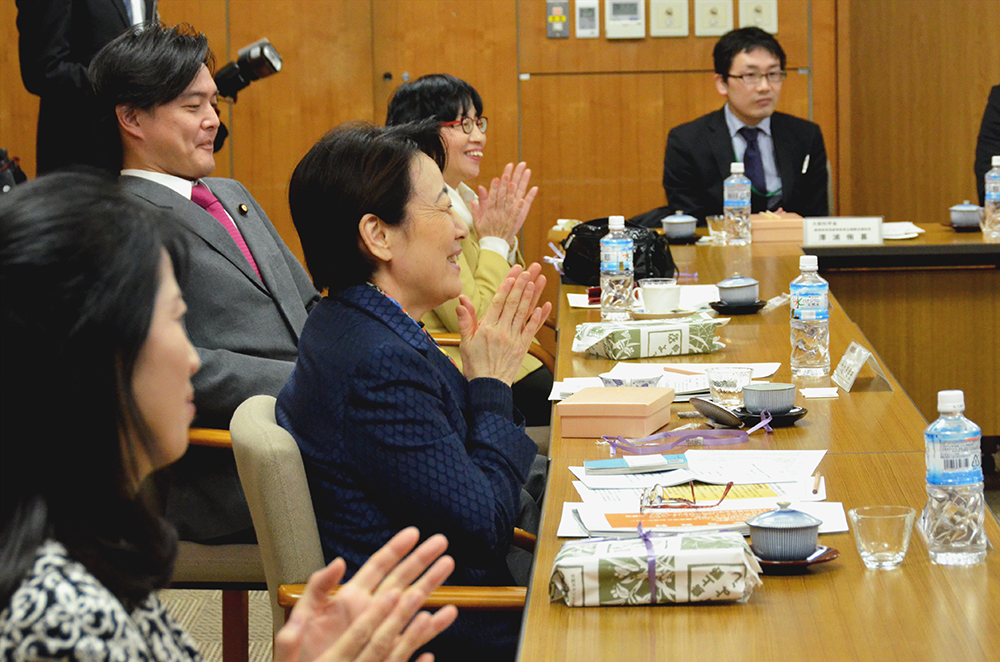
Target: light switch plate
point(668, 18)
point(712, 18)
point(759, 13)
point(588, 19)
point(557, 19)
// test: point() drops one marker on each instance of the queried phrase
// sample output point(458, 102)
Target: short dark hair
point(146, 66)
point(439, 97)
point(79, 274)
point(749, 39)
point(354, 170)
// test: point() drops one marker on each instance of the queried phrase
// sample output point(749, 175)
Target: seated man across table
point(784, 156)
point(247, 295)
point(988, 144)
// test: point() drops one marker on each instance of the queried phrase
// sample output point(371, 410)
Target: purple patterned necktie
point(752, 160)
point(201, 196)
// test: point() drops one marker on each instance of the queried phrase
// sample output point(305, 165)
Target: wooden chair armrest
point(534, 349)
point(476, 598)
point(210, 438)
point(524, 540)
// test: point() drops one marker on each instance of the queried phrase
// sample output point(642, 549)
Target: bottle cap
point(951, 401)
point(808, 263)
point(616, 222)
point(996, 161)
point(736, 168)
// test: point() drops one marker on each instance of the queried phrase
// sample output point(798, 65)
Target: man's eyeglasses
point(660, 497)
point(754, 77)
point(467, 123)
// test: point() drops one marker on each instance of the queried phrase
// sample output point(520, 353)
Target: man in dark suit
point(988, 143)
point(57, 40)
point(784, 156)
point(247, 295)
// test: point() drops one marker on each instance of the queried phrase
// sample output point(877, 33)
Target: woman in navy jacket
point(392, 433)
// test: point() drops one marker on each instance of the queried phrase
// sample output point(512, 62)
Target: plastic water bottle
point(810, 321)
point(991, 215)
point(616, 272)
point(952, 521)
point(736, 206)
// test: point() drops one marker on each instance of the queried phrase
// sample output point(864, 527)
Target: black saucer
point(728, 309)
point(690, 239)
point(777, 421)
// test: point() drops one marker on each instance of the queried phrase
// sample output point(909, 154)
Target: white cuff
point(496, 244)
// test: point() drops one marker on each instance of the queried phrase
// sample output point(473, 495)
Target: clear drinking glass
point(882, 534)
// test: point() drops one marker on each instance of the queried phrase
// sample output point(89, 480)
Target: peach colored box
point(764, 230)
point(630, 411)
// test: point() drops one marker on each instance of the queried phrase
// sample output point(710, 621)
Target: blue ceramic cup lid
point(784, 518)
point(679, 217)
point(965, 206)
point(737, 281)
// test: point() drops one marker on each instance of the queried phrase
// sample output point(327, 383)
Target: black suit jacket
point(988, 144)
point(57, 41)
point(698, 155)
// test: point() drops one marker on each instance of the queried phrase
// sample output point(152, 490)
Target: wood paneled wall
point(917, 76)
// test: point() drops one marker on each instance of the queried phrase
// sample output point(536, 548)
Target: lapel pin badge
point(243, 210)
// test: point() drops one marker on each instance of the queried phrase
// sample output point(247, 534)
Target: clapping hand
point(500, 212)
point(371, 618)
point(495, 345)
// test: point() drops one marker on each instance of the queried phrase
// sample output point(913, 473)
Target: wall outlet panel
point(759, 13)
point(668, 18)
point(712, 18)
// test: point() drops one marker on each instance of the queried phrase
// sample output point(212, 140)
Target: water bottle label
point(945, 461)
point(810, 306)
point(616, 256)
point(993, 195)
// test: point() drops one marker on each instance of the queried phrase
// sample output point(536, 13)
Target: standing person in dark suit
point(784, 156)
point(57, 40)
point(988, 143)
point(247, 295)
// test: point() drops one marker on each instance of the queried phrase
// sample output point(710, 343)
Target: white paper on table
point(570, 385)
point(752, 466)
point(580, 301)
point(569, 525)
point(797, 491)
point(717, 467)
point(760, 370)
point(589, 519)
point(693, 297)
point(635, 481)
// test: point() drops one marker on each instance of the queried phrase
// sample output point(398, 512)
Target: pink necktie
point(201, 196)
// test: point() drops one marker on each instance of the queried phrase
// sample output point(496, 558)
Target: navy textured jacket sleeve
point(393, 435)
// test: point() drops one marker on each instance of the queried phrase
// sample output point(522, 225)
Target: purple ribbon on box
point(651, 563)
point(707, 437)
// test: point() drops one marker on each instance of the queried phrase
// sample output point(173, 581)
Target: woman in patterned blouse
point(96, 391)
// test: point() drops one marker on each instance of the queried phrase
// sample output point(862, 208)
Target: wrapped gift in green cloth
point(645, 338)
point(687, 567)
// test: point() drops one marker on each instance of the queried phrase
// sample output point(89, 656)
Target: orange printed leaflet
point(683, 517)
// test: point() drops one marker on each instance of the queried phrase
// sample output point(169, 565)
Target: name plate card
point(842, 231)
point(850, 365)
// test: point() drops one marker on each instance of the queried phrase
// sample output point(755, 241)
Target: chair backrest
point(274, 480)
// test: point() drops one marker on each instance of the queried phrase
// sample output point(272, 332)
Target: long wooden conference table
point(834, 611)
